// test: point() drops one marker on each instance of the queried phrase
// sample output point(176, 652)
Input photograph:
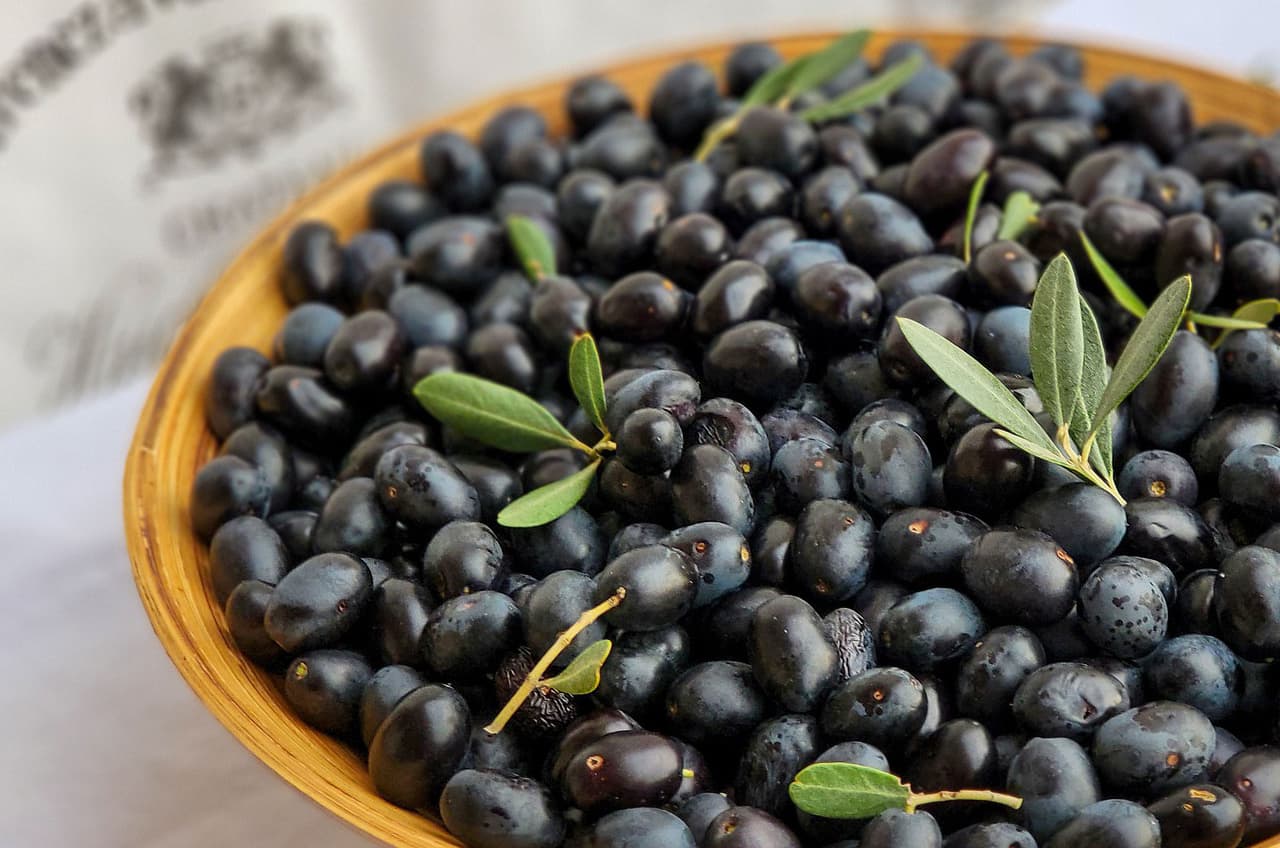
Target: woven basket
point(245, 307)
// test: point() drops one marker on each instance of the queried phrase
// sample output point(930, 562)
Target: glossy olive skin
point(572, 541)
point(353, 520)
point(894, 827)
point(638, 827)
point(1253, 776)
point(631, 768)
point(791, 654)
point(399, 612)
point(640, 667)
point(805, 470)
point(458, 254)
point(718, 552)
point(985, 474)
point(1228, 429)
point(1021, 576)
point(691, 247)
point(988, 678)
point(313, 266)
point(225, 488)
point(1150, 749)
point(1159, 474)
point(463, 556)
point(773, 755)
point(1110, 822)
point(552, 605)
point(419, 746)
point(898, 359)
point(386, 687)
point(1247, 602)
point(245, 548)
point(469, 635)
point(877, 231)
point(1176, 398)
point(959, 754)
point(1197, 670)
point(748, 827)
point(1122, 610)
point(489, 809)
point(421, 488)
point(921, 275)
point(674, 391)
point(456, 171)
point(324, 688)
point(925, 544)
point(838, 301)
point(642, 307)
point(1004, 273)
point(739, 291)
point(882, 706)
point(708, 485)
point(1068, 699)
point(1170, 533)
point(245, 610)
point(1253, 269)
point(661, 584)
point(1191, 244)
point(713, 703)
point(1199, 816)
point(1055, 780)
point(1087, 522)
point(229, 394)
point(315, 604)
point(830, 555)
point(772, 138)
point(940, 176)
point(626, 227)
point(1250, 481)
point(303, 405)
point(928, 628)
point(752, 195)
point(994, 835)
point(822, 197)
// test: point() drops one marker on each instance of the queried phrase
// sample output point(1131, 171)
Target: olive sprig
point(501, 417)
point(783, 84)
point(1019, 213)
point(851, 791)
point(1069, 369)
point(1254, 315)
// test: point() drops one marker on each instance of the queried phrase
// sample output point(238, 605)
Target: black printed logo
point(242, 91)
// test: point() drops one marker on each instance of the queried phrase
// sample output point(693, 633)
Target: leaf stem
point(919, 800)
point(540, 668)
point(718, 133)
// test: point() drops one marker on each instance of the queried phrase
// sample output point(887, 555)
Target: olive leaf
point(1225, 322)
point(1093, 380)
point(1020, 211)
point(533, 249)
point(773, 83)
point(1033, 449)
point(821, 66)
point(870, 92)
point(582, 675)
point(1057, 340)
point(847, 791)
point(1115, 284)
point(1262, 311)
point(587, 380)
point(971, 213)
point(549, 502)
point(1147, 344)
point(492, 413)
point(969, 379)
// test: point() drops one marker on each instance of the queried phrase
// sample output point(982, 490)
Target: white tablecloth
point(102, 745)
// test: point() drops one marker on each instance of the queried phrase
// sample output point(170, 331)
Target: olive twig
point(534, 677)
point(919, 800)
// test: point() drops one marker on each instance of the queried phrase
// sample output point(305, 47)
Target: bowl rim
point(140, 474)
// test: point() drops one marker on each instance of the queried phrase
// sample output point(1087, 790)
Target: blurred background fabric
point(143, 141)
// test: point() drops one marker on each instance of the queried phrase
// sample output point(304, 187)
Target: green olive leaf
point(847, 791)
point(1115, 284)
point(587, 380)
point(1262, 311)
point(1145, 347)
point(967, 378)
point(1093, 380)
point(533, 249)
point(870, 92)
point(1033, 449)
point(1057, 340)
point(547, 503)
point(773, 83)
point(492, 413)
point(971, 213)
point(1020, 211)
point(826, 63)
point(1225, 322)
point(582, 675)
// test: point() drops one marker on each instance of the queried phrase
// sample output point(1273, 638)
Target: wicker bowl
point(245, 307)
